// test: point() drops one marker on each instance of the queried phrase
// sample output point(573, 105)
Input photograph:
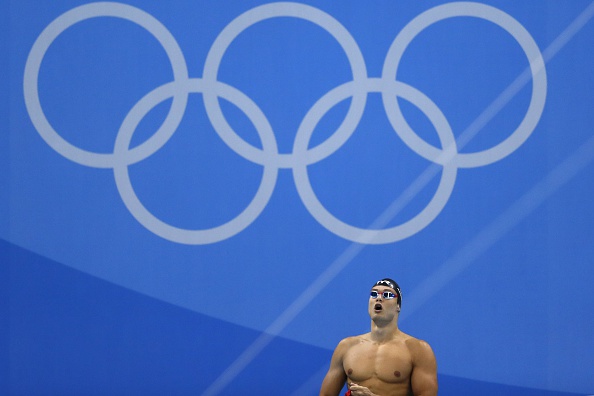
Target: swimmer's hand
point(358, 390)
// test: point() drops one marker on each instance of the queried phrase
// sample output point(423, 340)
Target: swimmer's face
point(383, 305)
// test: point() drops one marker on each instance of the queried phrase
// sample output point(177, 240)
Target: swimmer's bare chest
point(385, 368)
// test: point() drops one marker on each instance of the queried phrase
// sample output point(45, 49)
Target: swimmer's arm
point(424, 375)
point(336, 377)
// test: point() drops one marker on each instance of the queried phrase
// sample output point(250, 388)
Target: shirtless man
point(385, 361)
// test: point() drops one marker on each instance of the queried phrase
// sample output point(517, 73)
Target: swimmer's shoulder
point(348, 342)
point(417, 347)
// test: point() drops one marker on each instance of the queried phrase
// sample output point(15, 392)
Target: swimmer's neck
point(382, 332)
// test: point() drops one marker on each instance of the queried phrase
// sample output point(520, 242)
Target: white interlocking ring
point(57, 27)
point(147, 219)
point(276, 10)
point(537, 68)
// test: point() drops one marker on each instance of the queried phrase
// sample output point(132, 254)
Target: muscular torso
point(384, 368)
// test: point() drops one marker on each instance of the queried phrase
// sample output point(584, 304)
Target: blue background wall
point(195, 197)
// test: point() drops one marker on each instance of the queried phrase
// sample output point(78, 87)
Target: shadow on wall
point(106, 339)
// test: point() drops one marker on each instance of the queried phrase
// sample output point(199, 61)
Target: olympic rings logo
point(269, 157)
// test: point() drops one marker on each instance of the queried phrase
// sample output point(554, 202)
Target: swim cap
point(391, 284)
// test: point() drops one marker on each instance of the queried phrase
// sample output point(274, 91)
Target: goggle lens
point(386, 295)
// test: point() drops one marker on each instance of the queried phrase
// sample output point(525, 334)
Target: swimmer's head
point(392, 285)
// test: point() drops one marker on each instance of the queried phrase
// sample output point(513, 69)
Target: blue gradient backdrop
point(105, 291)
